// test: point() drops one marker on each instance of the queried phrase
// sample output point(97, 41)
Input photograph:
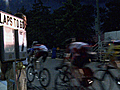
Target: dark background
point(13, 5)
point(51, 22)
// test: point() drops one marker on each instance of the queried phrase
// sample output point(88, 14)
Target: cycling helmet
point(35, 42)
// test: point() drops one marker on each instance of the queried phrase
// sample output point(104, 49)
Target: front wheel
point(104, 83)
point(44, 77)
point(30, 74)
point(107, 82)
point(62, 81)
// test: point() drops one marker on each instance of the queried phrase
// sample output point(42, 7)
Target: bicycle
point(106, 78)
point(65, 80)
point(43, 76)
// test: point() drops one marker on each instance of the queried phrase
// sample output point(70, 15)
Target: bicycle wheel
point(44, 77)
point(29, 73)
point(106, 83)
point(65, 68)
point(96, 85)
point(62, 81)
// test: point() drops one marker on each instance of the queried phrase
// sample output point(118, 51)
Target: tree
point(39, 23)
point(111, 22)
point(22, 10)
point(70, 20)
point(74, 20)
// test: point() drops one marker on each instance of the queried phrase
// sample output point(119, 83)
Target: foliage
point(74, 20)
point(39, 24)
point(71, 20)
point(111, 22)
point(22, 9)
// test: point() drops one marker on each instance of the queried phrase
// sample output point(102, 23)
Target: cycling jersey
point(40, 47)
point(79, 53)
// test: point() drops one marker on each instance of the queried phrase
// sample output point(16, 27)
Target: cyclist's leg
point(45, 55)
point(35, 59)
point(30, 54)
point(76, 77)
point(76, 72)
point(34, 62)
point(37, 56)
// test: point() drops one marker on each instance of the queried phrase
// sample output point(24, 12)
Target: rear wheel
point(107, 82)
point(95, 85)
point(44, 77)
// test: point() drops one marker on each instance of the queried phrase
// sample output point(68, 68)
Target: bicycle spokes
point(44, 77)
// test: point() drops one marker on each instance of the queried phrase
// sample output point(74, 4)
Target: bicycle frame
point(105, 72)
point(31, 63)
point(41, 63)
point(42, 75)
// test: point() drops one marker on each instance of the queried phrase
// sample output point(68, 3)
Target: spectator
point(53, 52)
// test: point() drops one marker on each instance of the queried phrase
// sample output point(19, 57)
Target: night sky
point(54, 4)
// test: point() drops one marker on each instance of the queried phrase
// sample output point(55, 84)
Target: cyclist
point(79, 52)
point(80, 58)
point(39, 50)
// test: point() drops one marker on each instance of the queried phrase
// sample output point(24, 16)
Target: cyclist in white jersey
point(40, 50)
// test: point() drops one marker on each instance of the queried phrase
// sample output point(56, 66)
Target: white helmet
point(34, 42)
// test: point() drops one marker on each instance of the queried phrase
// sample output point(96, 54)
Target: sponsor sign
point(12, 37)
point(11, 21)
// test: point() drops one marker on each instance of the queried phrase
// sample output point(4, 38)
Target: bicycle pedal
point(42, 78)
point(118, 82)
point(90, 81)
point(37, 61)
point(36, 77)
